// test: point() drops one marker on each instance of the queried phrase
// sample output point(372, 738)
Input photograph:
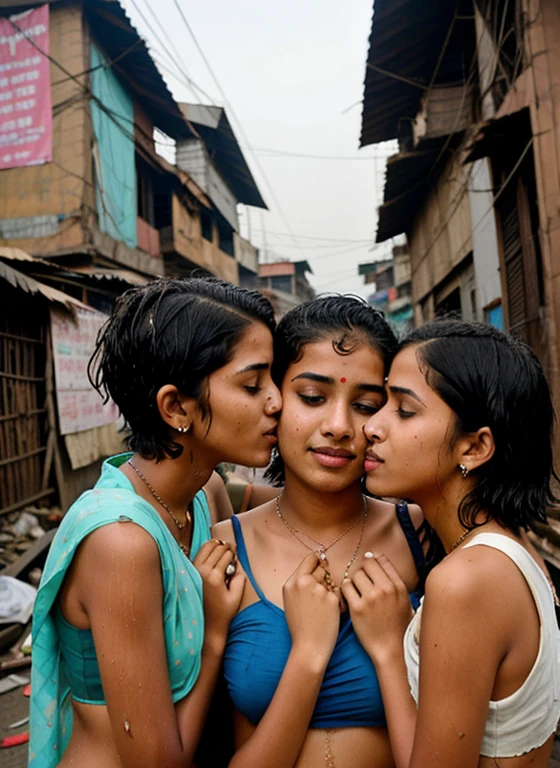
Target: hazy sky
point(292, 73)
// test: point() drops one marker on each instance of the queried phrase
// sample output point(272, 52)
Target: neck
point(177, 481)
point(318, 511)
point(441, 511)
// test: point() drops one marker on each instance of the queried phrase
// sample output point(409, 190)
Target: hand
point(312, 612)
point(222, 593)
point(380, 608)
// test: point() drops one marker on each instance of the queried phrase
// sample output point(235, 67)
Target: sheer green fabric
point(113, 500)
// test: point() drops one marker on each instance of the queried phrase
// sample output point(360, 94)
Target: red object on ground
point(27, 690)
point(14, 741)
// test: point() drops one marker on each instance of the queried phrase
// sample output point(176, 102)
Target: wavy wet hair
point(169, 331)
point(346, 319)
point(490, 379)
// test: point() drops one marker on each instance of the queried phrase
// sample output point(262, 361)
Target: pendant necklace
point(321, 551)
point(157, 497)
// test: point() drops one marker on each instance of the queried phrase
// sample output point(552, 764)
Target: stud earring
point(183, 430)
point(464, 470)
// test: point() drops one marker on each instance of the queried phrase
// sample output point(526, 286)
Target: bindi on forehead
point(343, 380)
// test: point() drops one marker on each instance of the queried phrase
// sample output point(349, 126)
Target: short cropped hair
point(490, 379)
point(169, 331)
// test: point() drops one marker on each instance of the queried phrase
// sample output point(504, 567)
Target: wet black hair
point(490, 379)
point(348, 319)
point(169, 331)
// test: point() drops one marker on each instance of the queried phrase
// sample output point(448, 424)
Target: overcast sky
point(292, 73)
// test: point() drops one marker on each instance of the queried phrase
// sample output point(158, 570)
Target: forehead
point(363, 363)
point(253, 346)
point(406, 372)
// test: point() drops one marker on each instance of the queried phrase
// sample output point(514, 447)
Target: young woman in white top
point(465, 433)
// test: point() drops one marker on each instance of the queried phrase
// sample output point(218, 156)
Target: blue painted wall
point(115, 170)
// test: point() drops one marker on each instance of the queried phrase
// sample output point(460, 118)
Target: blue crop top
point(259, 644)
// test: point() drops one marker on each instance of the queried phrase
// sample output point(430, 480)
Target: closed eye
point(404, 414)
point(312, 399)
point(368, 408)
point(253, 390)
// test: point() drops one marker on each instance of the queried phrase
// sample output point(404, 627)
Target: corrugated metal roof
point(408, 176)
point(406, 40)
point(115, 33)
point(34, 287)
point(217, 134)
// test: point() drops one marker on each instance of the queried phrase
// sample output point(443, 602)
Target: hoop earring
point(464, 470)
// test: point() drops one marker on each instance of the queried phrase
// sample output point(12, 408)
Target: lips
point(332, 457)
point(372, 461)
point(271, 435)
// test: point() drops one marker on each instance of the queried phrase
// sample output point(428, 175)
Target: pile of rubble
point(20, 529)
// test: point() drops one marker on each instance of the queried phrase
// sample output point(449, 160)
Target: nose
point(373, 429)
point(337, 423)
point(273, 402)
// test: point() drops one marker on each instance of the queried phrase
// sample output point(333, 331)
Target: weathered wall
point(188, 241)
point(542, 91)
point(441, 234)
point(56, 189)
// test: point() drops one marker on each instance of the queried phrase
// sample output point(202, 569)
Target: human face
point(244, 404)
point(327, 399)
point(410, 455)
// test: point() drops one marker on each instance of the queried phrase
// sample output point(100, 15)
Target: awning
point(30, 285)
point(406, 44)
point(219, 139)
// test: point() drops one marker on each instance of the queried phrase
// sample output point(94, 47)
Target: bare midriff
point(91, 744)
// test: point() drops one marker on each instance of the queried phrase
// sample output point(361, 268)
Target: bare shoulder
point(224, 531)
point(384, 511)
point(119, 545)
point(122, 554)
point(475, 576)
point(416, 515)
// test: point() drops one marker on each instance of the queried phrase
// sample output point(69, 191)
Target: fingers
point(319, 573)
point(211, 552)
point(351, 594)
point(381, 571)
point(307, 565)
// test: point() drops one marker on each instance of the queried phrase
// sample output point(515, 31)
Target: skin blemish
point(343, 380)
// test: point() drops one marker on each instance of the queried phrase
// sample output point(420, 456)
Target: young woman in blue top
point(474, 680)
point(124, 660)
point(304, 690)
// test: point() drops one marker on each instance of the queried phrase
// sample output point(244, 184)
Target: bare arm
point(461, 639)
point(125, 611)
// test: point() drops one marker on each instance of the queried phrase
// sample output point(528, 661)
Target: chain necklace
point(322, 551)
point(158, 498)
point(461, 539)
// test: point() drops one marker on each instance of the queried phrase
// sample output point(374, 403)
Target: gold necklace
point(322, 551)
point(158, 498)
point(461, 539)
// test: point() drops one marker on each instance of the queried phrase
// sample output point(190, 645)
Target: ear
point(476, 448)
point(175, 409)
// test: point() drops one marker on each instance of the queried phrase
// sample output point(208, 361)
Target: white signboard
point(79, 405)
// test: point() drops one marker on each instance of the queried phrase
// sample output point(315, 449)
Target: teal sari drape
point(112, 500)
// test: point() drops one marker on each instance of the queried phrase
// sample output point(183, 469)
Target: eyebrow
point(254, 367)
point(329, 380)
point(405, 391)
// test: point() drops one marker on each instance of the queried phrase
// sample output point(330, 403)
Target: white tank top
point(528, 717)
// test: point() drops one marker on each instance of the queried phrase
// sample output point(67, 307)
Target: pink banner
point(25, 90)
